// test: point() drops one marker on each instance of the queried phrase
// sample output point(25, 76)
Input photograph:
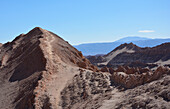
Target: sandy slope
point(161, 63)
point(115, 53)
point(35, 67)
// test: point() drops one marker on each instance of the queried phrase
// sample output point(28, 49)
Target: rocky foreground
point(39, 70)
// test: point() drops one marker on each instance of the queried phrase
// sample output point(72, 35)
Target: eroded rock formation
point(132, 77)
point(39, 70)
point(134, 56)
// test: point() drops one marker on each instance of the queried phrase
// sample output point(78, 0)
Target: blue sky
point(81, 21)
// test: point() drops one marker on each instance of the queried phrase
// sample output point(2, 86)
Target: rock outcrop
point(154, 95)
point(105, 69)
point(134, 56)
point(132, 77)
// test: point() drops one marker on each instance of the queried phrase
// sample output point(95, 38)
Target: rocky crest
point(30, 60)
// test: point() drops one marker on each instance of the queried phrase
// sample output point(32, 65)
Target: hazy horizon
point(97, 41)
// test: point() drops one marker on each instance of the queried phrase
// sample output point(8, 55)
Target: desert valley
point(40, 70)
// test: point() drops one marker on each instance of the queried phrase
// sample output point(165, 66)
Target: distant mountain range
point(104, 48)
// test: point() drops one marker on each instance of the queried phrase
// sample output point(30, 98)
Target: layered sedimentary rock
point(134, 56)
point(132, 77)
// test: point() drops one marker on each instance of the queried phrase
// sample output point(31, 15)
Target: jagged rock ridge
point(28, 59)
point(134, 56)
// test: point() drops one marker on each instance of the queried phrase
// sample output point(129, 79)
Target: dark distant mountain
point(104, 48)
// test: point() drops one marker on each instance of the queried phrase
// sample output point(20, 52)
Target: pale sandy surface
point(114, 54)
point(161, 63)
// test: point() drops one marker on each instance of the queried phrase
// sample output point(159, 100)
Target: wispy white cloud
point(146, 31)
